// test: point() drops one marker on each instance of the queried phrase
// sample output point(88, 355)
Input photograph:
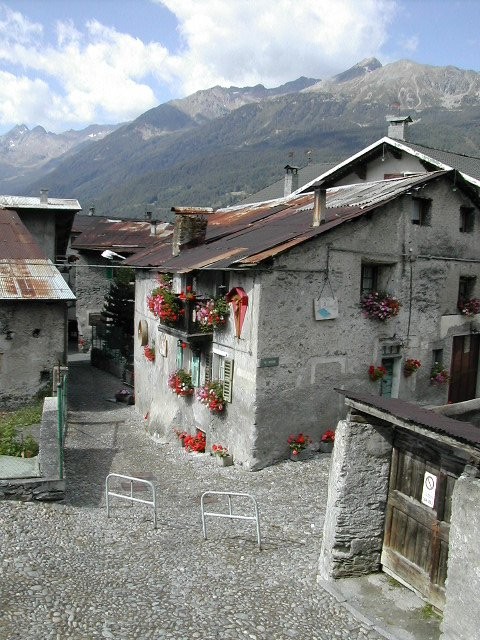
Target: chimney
point(153, 227)
point(43, 196)
point(397, 127)
point(91, 211)
point(291, 180)
point(190, 227)
point(319, 207)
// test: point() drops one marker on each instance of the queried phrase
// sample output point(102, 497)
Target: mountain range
point(219, 145)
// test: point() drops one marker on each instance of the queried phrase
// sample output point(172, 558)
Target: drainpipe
point(319, 207)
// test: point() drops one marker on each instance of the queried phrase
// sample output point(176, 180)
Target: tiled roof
point(129, 236)
point(246, 235)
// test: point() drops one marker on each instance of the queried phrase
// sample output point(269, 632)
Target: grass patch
point(429, 612)
point(12, 442)
point(394, 583)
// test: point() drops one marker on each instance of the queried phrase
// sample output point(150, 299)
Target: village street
point(69, 573)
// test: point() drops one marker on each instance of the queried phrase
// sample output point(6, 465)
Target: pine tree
point(118, 311)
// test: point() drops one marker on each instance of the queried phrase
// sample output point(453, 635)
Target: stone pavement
point(69, 573)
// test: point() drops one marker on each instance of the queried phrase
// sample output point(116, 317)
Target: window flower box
point(376, 373)
point(377, 305)
point(211, 395)
point(411, 365)
point(180, 382)
point(469, 307)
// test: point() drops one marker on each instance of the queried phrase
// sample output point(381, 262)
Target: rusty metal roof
point(24, 202)
point(25, 271)
point(412, 413)
point(245, 235)
point(128, 236)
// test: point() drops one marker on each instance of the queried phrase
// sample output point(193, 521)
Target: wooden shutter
point(179, 355)
point(228, 380)
point(195, 369)
point(208, 367)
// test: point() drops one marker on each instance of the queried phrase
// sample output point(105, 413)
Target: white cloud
point(272, 41)
point(95, 73)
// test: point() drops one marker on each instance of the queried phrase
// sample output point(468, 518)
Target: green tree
point(118, 312)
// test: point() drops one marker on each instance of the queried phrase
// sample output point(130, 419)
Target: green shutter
point(208, 367)
point(179, 355)
point(195, 369)
point(228, 380)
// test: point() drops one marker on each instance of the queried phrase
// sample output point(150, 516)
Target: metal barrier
point(130, 497)
point(230, 514)
point(62, 409)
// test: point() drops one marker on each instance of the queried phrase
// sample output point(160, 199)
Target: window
point(421, 208)
point(219, 367)
point(369, 278)
point(466, 287)
point(437, 356)
point(466, 219)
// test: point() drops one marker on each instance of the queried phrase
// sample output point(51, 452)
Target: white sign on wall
point(325, 308)
point(429, 489)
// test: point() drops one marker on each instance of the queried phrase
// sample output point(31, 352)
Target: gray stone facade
point(36, 342)
point(461, 616)
point(420, 265)
point(357, 497)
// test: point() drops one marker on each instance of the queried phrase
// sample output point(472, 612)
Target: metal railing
point(62, 409)
point(130, 497)
point(230, 513)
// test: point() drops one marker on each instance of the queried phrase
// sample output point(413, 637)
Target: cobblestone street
point(68, 572)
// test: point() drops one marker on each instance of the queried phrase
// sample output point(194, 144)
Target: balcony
point(185, 327)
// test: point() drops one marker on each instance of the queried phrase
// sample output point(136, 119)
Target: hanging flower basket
point(411, 366)
point(149, 351)
point(211, 395)
point(212, 314)
point(163, 303)
point(469, 307)
point(379, 306)
point(439, 375)
point(180, 382)
point(376, 373)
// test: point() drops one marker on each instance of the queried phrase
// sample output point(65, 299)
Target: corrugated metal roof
point(406, 411)
point(106, 233)
point(32, 279)
point(15, 239)
point(247, 235)
point(24, 202)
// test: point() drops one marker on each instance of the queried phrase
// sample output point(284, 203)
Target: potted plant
point(439, 375)
point(376, 373)
point(411, 366)
point(212, 314)
point(211, 395)
point(222, 455)
point(298, 445)
point(469, 307)
point(196, 443)
point(378, 305)
point(149, 351)
point(180, 382)
point(326, 441)
point(180, 435)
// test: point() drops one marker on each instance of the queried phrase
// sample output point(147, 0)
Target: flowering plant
point(376, 373)
point(411, 366)
point(438, 374)
point(163, 303)
point(377, 305)
point(180, 382)
point(218, 450)
point(196, 443)
point(212, 314)
point(298, 442)
point(469, 307)
point(149, 352)
point(211, 394)
point(181, 435)
point(328, 436)
point(188, 294)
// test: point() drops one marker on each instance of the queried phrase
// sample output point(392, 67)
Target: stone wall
point(461, 616)
point(357, 497)
point(91, 286)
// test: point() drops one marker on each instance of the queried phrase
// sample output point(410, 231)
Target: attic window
point(421, 211)
point(466, 219)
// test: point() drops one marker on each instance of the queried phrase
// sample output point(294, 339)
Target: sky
point(65, 64)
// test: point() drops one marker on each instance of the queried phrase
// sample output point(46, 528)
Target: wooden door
point(463, 372)
point(415, 548)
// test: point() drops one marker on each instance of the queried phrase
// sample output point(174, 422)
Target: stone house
point(296, 270)
point(34, 300)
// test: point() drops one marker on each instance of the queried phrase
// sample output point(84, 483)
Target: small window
point(466, 219)
point(437, 356)
point(466, 288)
point(369, 281)
point(421, 208)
